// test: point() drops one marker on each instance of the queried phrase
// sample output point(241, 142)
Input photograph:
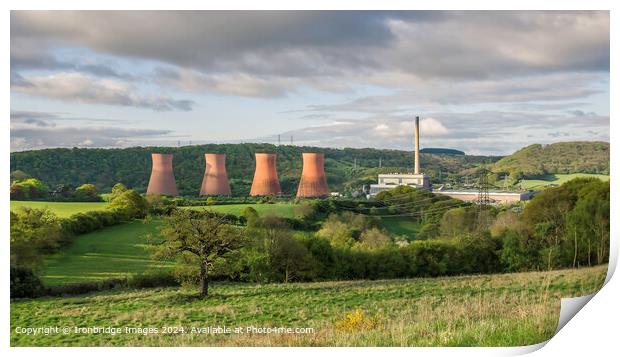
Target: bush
point(25, 284)
point(85, 287)
point(152, 279)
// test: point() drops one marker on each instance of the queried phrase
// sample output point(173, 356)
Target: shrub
point(152, 279)
point(25, 284)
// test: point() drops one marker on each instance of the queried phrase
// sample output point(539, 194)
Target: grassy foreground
point(485, 310)
point(62, 209)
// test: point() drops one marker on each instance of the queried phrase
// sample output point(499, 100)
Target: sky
point(485, 82)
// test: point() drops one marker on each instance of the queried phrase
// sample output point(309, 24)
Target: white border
point(591, 331)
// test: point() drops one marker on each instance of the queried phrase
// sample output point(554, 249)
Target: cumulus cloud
point(272, 53)
point(475, 133)
point(534, 72)
point(72, 86)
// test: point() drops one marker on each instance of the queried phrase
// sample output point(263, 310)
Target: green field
point(484, 310)
point(62, 209)
point(278, 209)
point(556, 179)
point(401, 226)
point(112, 252)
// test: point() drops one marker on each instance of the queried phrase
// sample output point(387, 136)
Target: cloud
point(271, 53)
point(35, 137)
point(238, 84)
point(543, 88)
point(481, 132)
point(70, 86)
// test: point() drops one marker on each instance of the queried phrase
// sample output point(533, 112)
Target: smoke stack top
point(417, 146)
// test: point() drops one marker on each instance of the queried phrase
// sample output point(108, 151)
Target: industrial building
point(215, 180)
point(265, 181)
point(162, 180)
point(313, 182)
point(417, 179)
point(494, 197)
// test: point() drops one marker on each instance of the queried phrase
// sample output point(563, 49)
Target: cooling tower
point(215, 180)
point(313, 182)
point(265, 177)
point(162, 177)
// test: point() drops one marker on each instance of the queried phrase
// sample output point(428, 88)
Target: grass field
point(401, 226)
point(62, 209)
point(556, 179)
point(279, 209)
point(484, 310)
point(113, 252)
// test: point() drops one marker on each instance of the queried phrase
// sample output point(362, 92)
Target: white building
point(417, 179)
point(390, 181)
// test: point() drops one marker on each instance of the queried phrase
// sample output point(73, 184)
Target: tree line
point(566, 226)
point(346, 169)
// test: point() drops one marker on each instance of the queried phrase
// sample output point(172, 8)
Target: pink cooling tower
point(313, 182)
point(215, 181)
point(265, 177)
point(162, 177)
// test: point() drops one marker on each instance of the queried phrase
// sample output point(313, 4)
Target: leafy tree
point(28, 189)
point(338, 233)
point(131, 202)
point(507, 220)
point(589, 225)
point(19, 175)
point(117, 190)
point(288, 257)
point(374, 238)
point(159, 205)
point(428, 231)
point(456, 222)
point(201, 237)
point(33, 231)
point(546, 215)
point(250, 215)
point(86, 190)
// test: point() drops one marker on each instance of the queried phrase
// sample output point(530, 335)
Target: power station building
point(265, 181)
point(417, 179)
point(215, 180)
point(162, 180)
point(313, 182)
point(494, 197)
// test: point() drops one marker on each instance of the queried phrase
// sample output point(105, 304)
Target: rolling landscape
point(112, 268)
point(305, 178)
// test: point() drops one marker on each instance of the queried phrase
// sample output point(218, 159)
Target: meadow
point(278, 209)
point(62, 209)
point(112, 252)
point(480, 310)
point(555, 179)
point(120, 251)
point(399, 226)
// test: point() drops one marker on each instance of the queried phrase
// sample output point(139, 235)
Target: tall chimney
point(162, 177)
point(417, 146)
point(265, 181)
point(313, 182)
point(215, 180)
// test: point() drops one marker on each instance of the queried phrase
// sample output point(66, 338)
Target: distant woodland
point(559, 158)
point(347, 169)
